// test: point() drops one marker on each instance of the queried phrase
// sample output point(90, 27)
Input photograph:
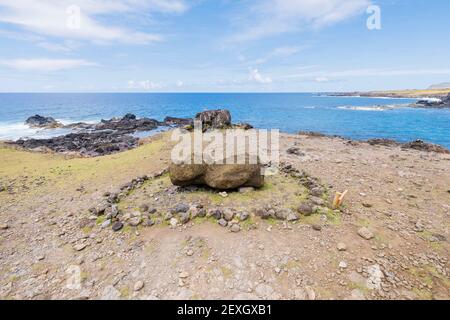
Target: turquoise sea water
point(352, 117)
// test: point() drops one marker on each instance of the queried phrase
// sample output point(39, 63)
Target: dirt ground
point(52, 247)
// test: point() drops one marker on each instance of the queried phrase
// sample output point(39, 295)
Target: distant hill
point(444, 85)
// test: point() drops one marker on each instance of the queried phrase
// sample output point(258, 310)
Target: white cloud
point(322, 79)
point(272, 17)
point(55, 18)
point(46, 65)
point(180, 83)
point(256, 76)
point(145, 85)
point(278, 53)
point(67, 46)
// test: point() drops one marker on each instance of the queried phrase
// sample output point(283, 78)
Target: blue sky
point(221, 45)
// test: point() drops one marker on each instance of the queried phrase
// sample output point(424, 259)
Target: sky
point(222, 45)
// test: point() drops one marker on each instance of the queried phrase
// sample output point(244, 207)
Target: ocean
point(357, 118)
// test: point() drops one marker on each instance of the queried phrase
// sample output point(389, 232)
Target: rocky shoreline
point(435, 101)
point(116, 135)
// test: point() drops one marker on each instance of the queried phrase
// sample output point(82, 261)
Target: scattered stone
point(243, 215)
point(144, 207)
point(173, 222)
point(317, 201)
point(341, 246)
point(223, 194)
point(181, 207)
point(228, 214)
point(365, 233)
point(316, 192)
point(106, 224)
point(292, 216)
point(190, 253)
point(306, 208)
point(223, 222)
point(4, 226)
point(367, 205)
point(235, 228)
point(215, 213)
point(183, 275)
point(117, 226)
point(317, 227)
point(343, 265)
point(80, 247)
point(135, 221)
point(184, 217)
point(138, 285)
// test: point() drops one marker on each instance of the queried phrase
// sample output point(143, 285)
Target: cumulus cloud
point(272, 17)
point(46, 65)
point(256, 76)
point(82, 19)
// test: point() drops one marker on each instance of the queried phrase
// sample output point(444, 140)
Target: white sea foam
point(15, 131)
point(374, 108)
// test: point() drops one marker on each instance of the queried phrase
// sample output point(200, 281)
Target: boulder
point(217, 176)
point(214, 119)
point(38, 121)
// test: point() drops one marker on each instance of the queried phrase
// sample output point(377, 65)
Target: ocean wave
point(369, 108)
point(16, 131)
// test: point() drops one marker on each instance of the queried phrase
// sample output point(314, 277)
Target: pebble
point(106, 224)
point(306, 209)
point(317, 227)
point(3, 226)
point(189, 253)
point(80, 246)
point(343, 265)
point(235, 228)
point(117, 226)
point(134, 222)
point(341, 246)
point(138, 285)
point(222, 222)
point(183, 275)
point(173, 222)
point(365, 233)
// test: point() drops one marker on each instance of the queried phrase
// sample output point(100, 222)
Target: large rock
point(214, 119)
point(217, 176)
point(128, 124)
point(38, 121)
